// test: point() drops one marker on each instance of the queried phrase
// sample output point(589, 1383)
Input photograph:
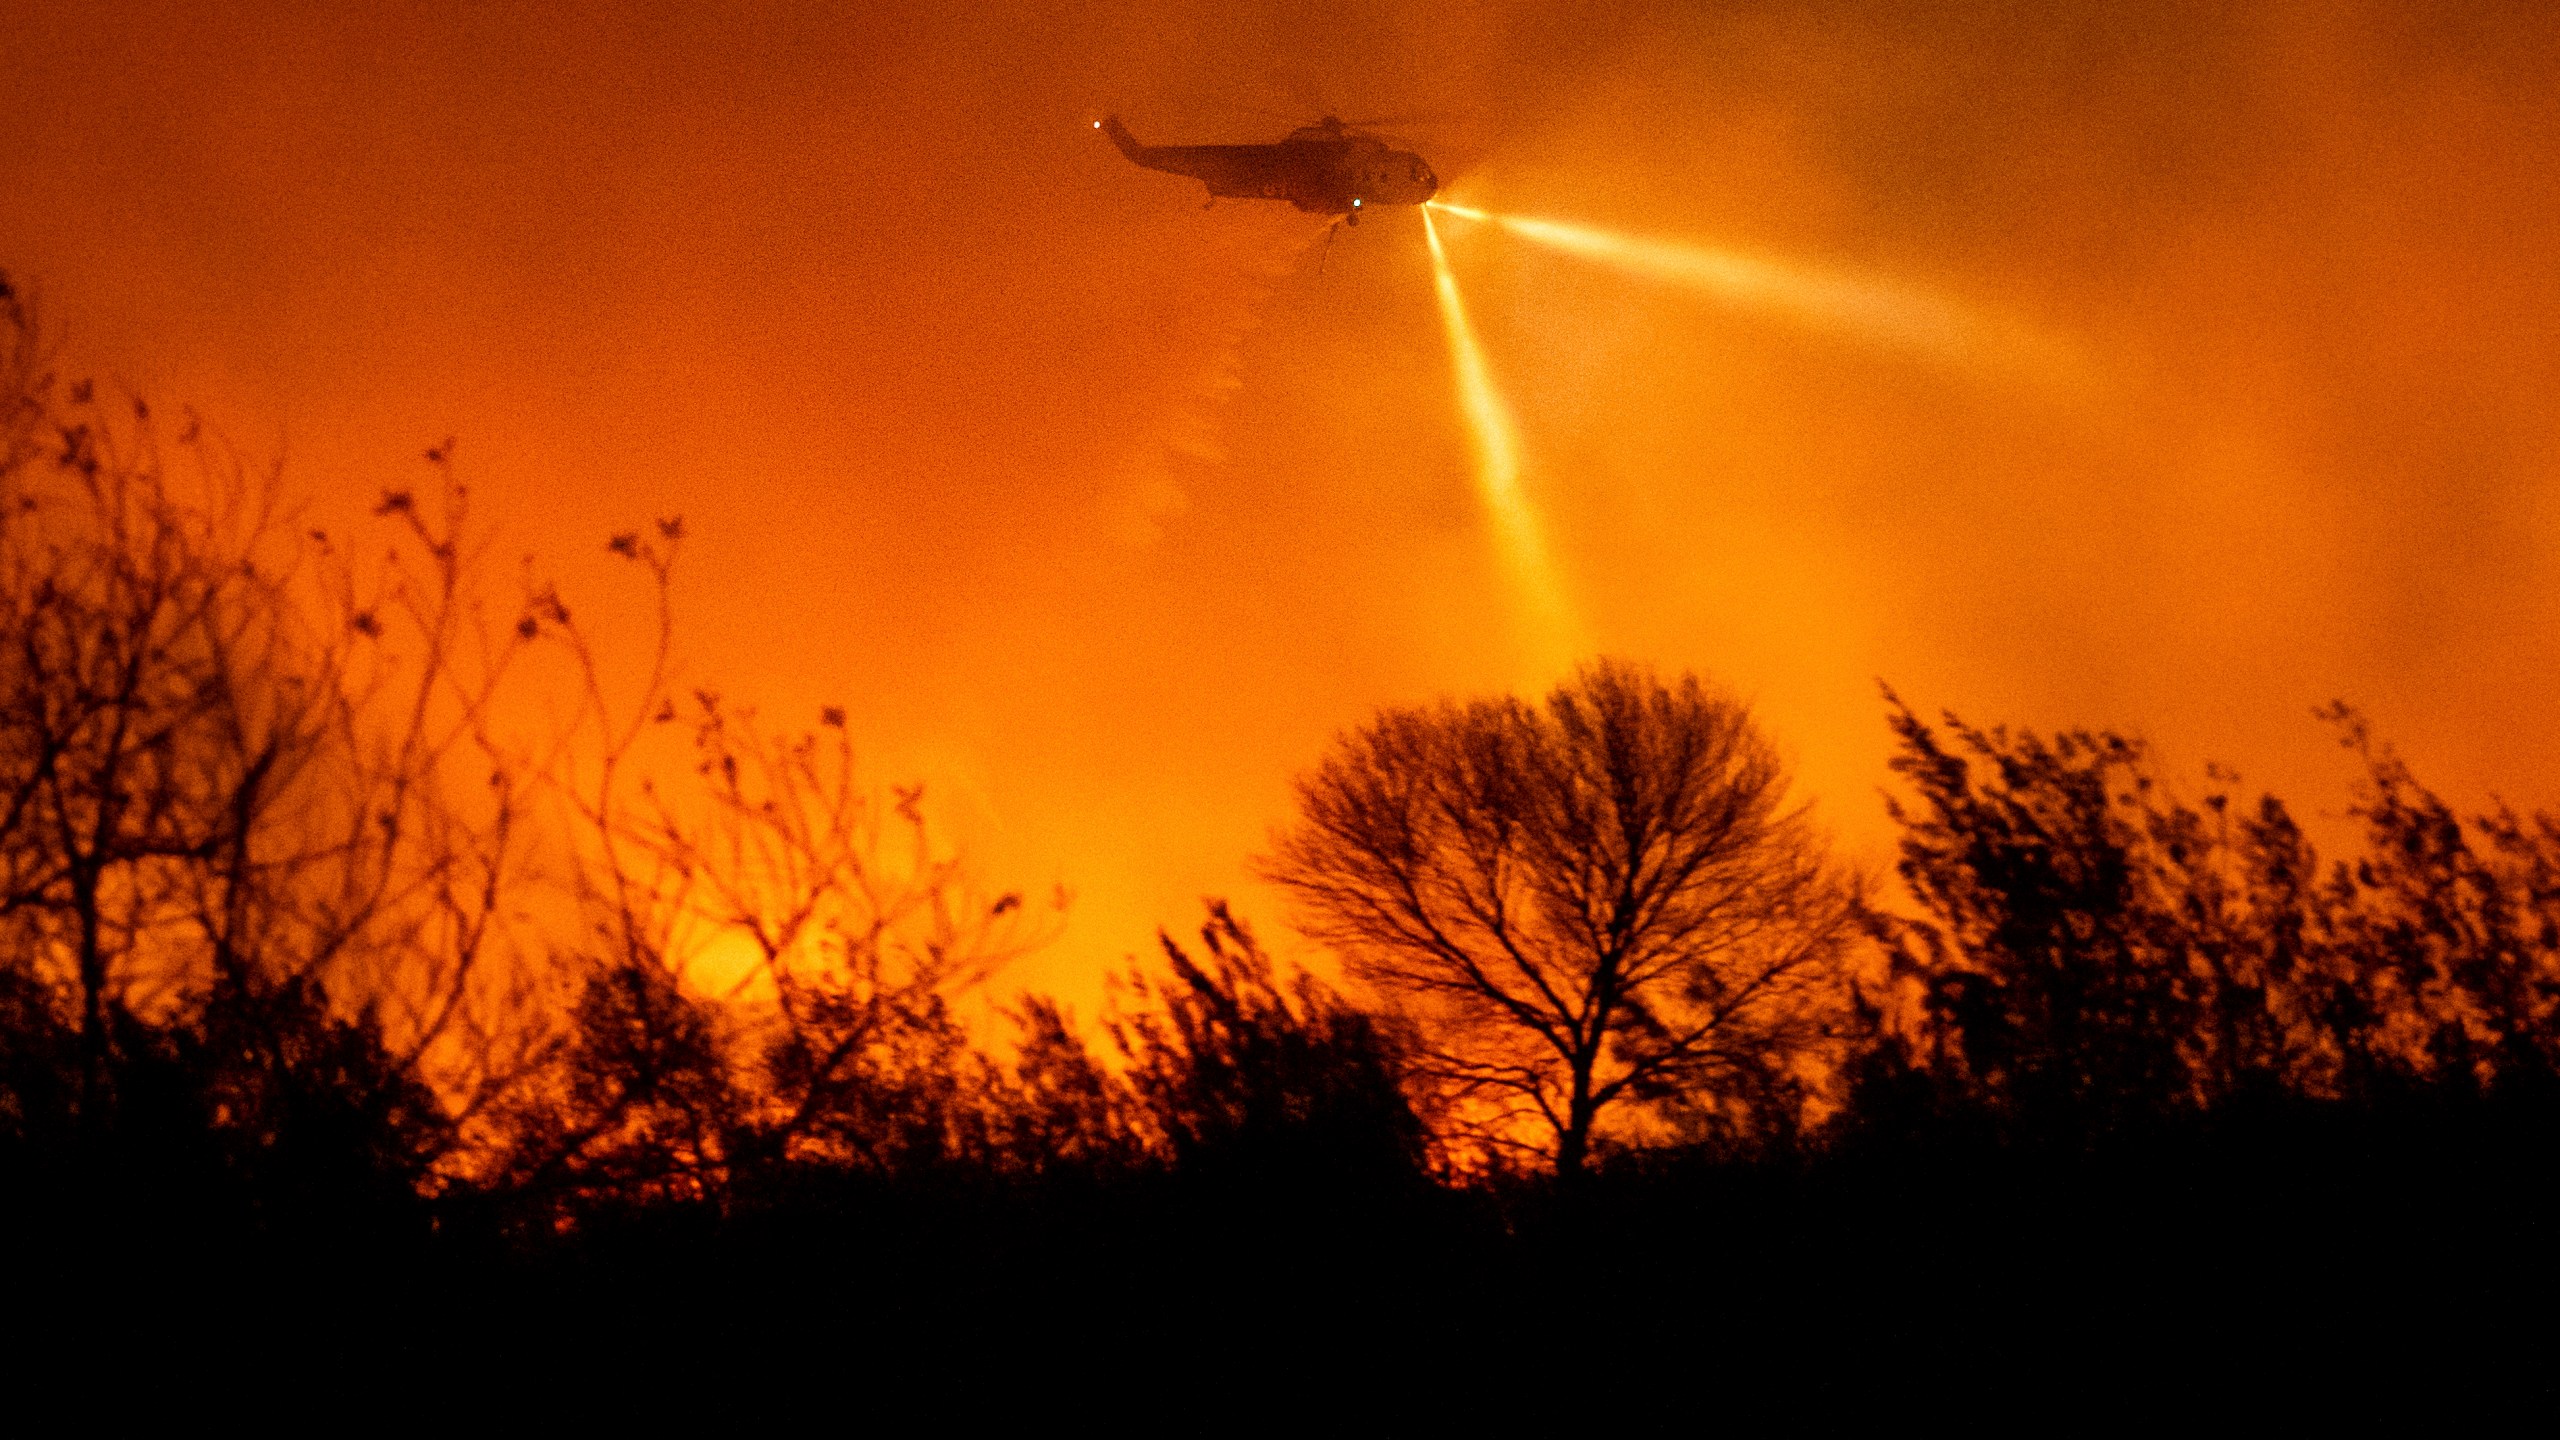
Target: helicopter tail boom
point(1251, 171)
point(1121, 137)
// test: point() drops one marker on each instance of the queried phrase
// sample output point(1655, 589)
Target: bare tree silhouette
point(232, 768)
point(834, 1043)
point(1599, 904)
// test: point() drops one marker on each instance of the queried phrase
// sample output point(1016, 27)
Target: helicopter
point(1327, 168)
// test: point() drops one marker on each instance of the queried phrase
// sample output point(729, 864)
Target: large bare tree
point(1592, 908)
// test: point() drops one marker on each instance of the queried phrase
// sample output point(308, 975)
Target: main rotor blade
point(1415, 117)
point(1260, 111)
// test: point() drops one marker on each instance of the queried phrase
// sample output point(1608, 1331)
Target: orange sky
point(1101, 512)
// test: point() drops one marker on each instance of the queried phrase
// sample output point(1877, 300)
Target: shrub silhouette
point(1233, 1071)
point(2093, 955)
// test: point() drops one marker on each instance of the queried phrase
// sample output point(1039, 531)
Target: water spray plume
point(1872, 310)
point(1497, 448)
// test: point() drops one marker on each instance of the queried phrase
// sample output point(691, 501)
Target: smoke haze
point(1101, 512)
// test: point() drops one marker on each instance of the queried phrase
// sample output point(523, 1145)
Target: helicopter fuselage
point(1326, 169)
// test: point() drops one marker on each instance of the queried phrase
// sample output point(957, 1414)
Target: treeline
point(340, 1017)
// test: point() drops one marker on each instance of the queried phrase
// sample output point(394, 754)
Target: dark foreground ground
point(2308, 1259)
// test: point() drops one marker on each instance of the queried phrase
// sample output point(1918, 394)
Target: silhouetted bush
point(2094, 957)
point(1234, 1073)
